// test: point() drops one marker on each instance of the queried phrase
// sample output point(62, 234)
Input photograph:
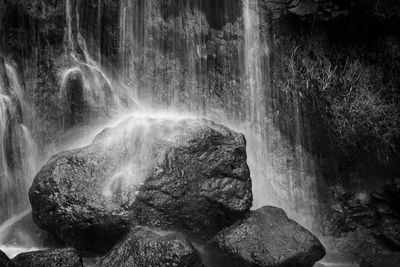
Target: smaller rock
point(390, 260)
point(151, 247)
point(366, 217)
point(302, 8)
point(383, 209)
point(334, 223)
point(49, 258)
point(267, 237)
point(392, 190)
point(389, 234)
point(378, 197)
point(5, 261)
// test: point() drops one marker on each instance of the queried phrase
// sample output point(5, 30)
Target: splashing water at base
point(19, 161)
point(13, 249)
point(5, 226)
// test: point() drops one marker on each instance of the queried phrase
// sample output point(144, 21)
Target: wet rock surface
point(389, 260)
point(49, 258)
point(267, 237)
point(364, 225)
point(187, 174)
point(5, 261)
point(153, 247)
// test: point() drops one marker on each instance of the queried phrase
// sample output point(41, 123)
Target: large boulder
point(145, 247)
point(266, 238)
point(177, 173)
point(49, 258)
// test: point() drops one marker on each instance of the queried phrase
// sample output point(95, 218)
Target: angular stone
point(151, 247)
point(268, 238)
point(49, 258)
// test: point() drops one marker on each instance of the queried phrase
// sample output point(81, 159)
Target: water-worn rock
point(49, 258)
point(5, 261)
point(146, 247)
point(388, 260)
point(267, 237)
point(181, 173)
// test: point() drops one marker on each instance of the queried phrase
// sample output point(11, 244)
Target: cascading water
point(18, 155)
point(276, 183)
point(173, 75)
point(86, 92)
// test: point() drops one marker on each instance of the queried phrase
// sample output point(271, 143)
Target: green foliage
point(355, 96)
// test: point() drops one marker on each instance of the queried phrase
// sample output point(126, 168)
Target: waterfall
point(19, 155)
point(175, 73)
point(5, 106)
point(253, 72)
point(87, 93)
point(276, 182)
point(255, 121)
point(31, 162)
point(171, 74)
point(5, 226)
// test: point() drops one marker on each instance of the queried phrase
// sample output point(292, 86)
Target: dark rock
point(389, 234)
point(378, 196)
point(389, 260)
point(384, 210)
point(267, 237)
point(303, 7)
point(330, 221)
point(5, 261)
point(189, 174)
point(365, 217)
point(392, 190)
point(150, 247)
point(49, 258)
point(75, 106)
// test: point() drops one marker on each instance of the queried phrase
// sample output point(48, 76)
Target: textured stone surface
point(5, 261)
point(49, 258)
point(150, 247)
point(267, 237)
point(388, 260)
point(190, 174)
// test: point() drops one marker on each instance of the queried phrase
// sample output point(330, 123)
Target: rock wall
point(190, 56)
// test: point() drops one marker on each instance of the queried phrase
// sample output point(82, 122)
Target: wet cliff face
point(33, 38)
point(180, 51)
point(338, 60)
point(278, 70)
point(172, 51)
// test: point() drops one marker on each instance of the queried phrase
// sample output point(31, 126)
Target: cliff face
point(339, 60)
point(326, 70)
point(172, 51)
